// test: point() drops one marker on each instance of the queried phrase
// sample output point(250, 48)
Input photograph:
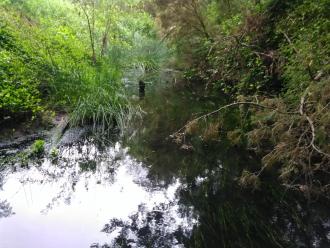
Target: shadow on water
point(228, 216)
point(155, 193)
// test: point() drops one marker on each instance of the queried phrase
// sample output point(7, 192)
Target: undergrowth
point(272, 58)
point(54, 58)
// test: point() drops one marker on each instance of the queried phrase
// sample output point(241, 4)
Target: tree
point(97, 13)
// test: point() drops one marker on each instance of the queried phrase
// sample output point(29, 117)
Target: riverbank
point(147, 189)
point(99, 142)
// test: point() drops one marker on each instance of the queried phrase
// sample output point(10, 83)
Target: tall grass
point(105, 102)
point(57, 37)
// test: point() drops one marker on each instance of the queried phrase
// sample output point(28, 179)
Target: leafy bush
point(274, 55)
point(19, 88)
point(37, 148)
point(305, 46)
point(52, 56)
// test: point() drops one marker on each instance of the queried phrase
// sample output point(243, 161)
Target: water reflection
point(155, 194)
point(228, 215)
point(5, 209)
point(91, 196)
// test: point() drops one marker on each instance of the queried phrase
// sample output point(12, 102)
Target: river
point(145, 190)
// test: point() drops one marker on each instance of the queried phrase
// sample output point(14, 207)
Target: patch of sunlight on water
point(68, 203)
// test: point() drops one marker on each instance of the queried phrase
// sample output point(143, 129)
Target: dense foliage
point(72, 56)
point(272, 59)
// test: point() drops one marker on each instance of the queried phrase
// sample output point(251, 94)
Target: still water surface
point(147, 191)
point(68, 203)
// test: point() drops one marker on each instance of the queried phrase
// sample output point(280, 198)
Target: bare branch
point(311, 124)
point(232, 105)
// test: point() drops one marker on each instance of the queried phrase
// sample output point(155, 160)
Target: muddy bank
point(21, 134)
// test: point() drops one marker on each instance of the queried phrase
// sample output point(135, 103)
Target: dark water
point(147, 191)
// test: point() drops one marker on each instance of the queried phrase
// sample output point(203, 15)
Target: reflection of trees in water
point(167, 109)
point(232, 217)
point(5, 209)
point(79, 163)
point(229, 216)
point(82, 163)
point(155, 228)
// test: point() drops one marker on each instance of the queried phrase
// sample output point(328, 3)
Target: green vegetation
point(72, 56)
point(268, 59)
point(53, 153)
point(25, 155)
point(37, 148)
point(272, 58)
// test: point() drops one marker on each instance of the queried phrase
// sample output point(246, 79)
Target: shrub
point(37, 148)
point(19, 88)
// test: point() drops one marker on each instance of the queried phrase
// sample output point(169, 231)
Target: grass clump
point(37, 148)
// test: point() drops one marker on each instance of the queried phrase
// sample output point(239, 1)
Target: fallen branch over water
point(311, 124)
point(255, 104)
point(228, 106)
